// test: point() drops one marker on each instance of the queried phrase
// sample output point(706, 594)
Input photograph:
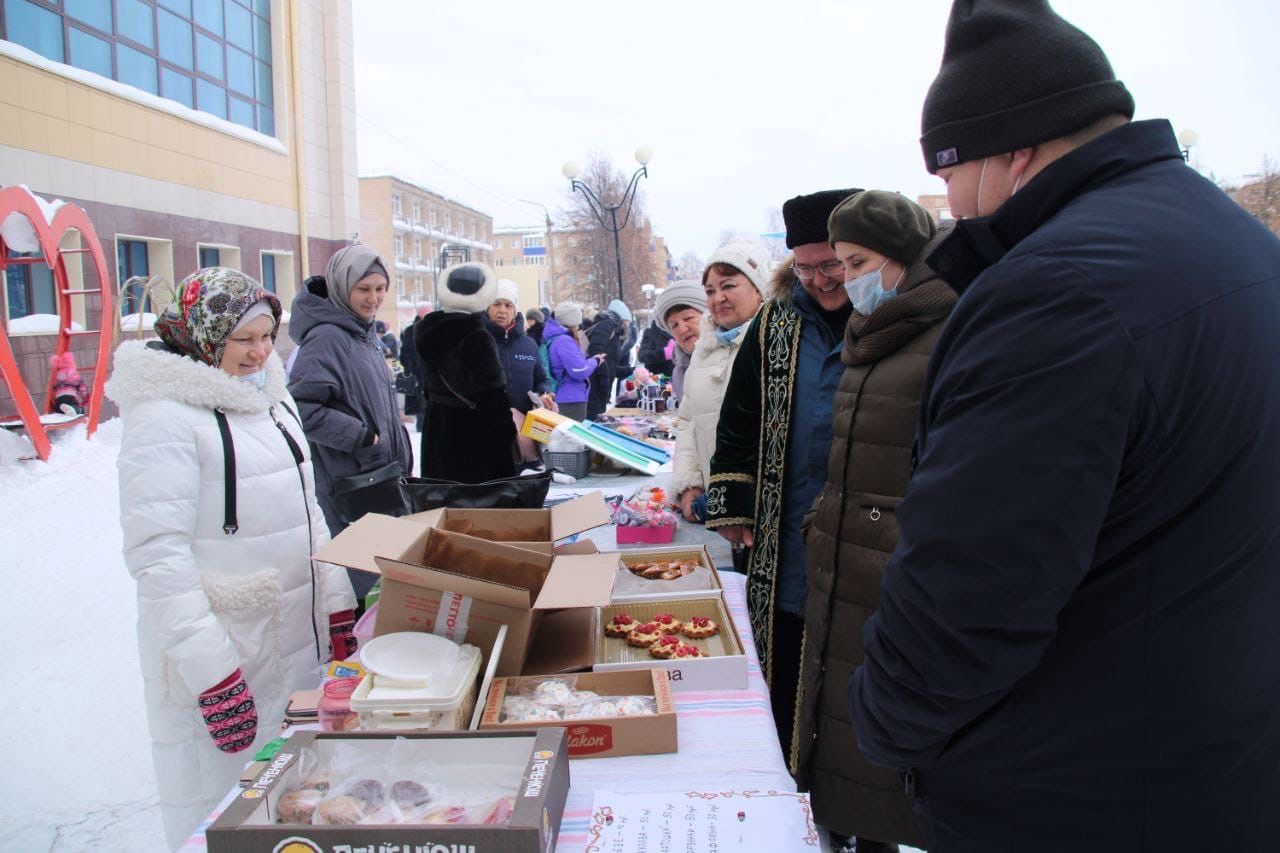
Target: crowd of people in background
point(1003, 489)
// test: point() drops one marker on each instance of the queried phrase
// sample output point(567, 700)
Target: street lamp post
point(571, 171)
point(1186, 139)
point(648, 290)
point(551, 257)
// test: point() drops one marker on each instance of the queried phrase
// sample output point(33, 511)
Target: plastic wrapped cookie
point(636, 706)
point(552, 692)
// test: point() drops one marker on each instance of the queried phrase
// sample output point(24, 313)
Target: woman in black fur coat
point(468, 434)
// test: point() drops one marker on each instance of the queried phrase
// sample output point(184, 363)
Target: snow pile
point(38, 324)
point(17, 230)
point(14, 446)
point(131, 322)
point(78, 758)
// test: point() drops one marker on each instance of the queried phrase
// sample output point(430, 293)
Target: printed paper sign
point(701, 822)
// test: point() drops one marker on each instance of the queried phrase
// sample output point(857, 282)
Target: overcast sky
point(748, 103)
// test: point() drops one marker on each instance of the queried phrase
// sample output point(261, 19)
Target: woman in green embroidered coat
point(773, 440)
point(900, 308)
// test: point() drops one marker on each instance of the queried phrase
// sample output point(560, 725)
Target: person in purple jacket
point(569, 367)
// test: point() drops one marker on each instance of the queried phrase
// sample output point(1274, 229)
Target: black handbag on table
point(424, 493)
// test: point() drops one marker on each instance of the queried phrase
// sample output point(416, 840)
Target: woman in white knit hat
point(733, 281)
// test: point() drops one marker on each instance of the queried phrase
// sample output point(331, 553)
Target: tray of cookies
point(663, 573)
point(694, 639)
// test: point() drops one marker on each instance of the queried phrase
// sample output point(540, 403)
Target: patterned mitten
point(342, 634)
point(229, 713)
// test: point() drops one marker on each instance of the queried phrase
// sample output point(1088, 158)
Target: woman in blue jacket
point(520, 363)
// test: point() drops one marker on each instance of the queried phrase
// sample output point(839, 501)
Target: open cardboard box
point(724, 669)
point(477, 582)
point(523, 527)
point(533, 765)
point(703, 583)
point(601, 737)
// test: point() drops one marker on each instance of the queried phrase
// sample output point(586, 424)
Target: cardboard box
point(523, 527)
point(484, 583)
point(602, 737)
point(724, 669)
point(703, 583)
point(536, 762)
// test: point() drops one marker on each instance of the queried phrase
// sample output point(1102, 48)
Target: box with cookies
point(607, 713)
point(694, 639)
point(665, 573)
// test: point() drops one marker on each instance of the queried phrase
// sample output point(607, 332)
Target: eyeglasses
point(831, 269)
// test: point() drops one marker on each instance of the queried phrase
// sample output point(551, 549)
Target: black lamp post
point(571, 171)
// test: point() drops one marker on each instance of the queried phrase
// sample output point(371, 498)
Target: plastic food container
point(334, 708)
point(444, 702)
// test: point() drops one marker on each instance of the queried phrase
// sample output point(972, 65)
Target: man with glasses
point(773, 440)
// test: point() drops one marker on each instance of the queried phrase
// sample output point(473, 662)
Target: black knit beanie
point(884, 222)
point(1014, 74)
point(806, 215)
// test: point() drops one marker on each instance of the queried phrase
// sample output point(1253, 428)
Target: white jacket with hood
point(704, 383)
point(210, 602)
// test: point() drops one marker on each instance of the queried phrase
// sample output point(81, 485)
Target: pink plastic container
point(648, 535)
point(365, 625)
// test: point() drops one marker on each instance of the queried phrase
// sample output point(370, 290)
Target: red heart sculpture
point(20, 200)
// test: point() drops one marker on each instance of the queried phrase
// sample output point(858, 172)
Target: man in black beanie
point(1075, 645)
point(773, 439)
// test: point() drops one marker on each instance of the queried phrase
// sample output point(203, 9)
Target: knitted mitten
point(229, 713)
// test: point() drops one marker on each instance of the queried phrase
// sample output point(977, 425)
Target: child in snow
point(69, 391)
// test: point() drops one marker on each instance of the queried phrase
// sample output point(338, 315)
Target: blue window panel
point(176, 87)
point(241, 112)
point(34, 28)
point(182, 7)
point(269, 272)
point(262, 39)
point(136, 68)
point(95, 13)
point(210, 257)
point(266, 120)
point(175, 39)
point(533, 251)
point(239, 25)
point(209, 15)
point(211, 98)
point(31, 288)
point(263, 8)
point(89, 52)
point(240, 71)
point(131, 260)
point(209, 57)
point(134, 22)
point(265, 88)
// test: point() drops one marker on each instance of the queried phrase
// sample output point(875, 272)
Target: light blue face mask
point(867, 293)
point(258, 379)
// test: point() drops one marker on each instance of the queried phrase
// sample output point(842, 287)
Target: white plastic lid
point(410, 656)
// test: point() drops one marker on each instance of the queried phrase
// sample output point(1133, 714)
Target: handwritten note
point(701, 822)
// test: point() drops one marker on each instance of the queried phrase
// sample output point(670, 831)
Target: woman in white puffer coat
point(233, 615)
point(734, 280)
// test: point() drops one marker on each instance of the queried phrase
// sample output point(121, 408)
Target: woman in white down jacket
point(233, 615)
point(734, 280)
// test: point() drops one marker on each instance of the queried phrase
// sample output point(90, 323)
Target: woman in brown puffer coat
point(900, 307)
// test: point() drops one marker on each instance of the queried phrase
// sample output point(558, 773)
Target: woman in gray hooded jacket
point(341, 381)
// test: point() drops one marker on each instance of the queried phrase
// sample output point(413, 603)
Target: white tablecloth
point(727, 742)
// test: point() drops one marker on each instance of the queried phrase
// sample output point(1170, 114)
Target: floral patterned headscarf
point(210, 302)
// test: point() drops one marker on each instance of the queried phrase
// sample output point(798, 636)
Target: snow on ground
point(77, 756)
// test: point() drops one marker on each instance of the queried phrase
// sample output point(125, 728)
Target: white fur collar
point(144, 373)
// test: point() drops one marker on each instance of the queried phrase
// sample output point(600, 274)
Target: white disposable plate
point(410, 656)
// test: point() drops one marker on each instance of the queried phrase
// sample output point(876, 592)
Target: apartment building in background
point(523, 256)
point(193, 132)
point(418, 232)
point(937, 205)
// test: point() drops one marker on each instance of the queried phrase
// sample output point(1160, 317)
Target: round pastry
point(619, 626)
point(340, 811)
point(370, 791)
point(298, 806)
point(643, 636)
point(635, 706)
point(685, 651)
point(665, 647)
point(318, 781)
point(699, 628)
point(534, 714)
point(668, 623)
point(552, 692)
point(407, 793)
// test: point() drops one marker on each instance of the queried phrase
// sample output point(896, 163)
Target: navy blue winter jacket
point(1076, 645)
point(520, 363)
